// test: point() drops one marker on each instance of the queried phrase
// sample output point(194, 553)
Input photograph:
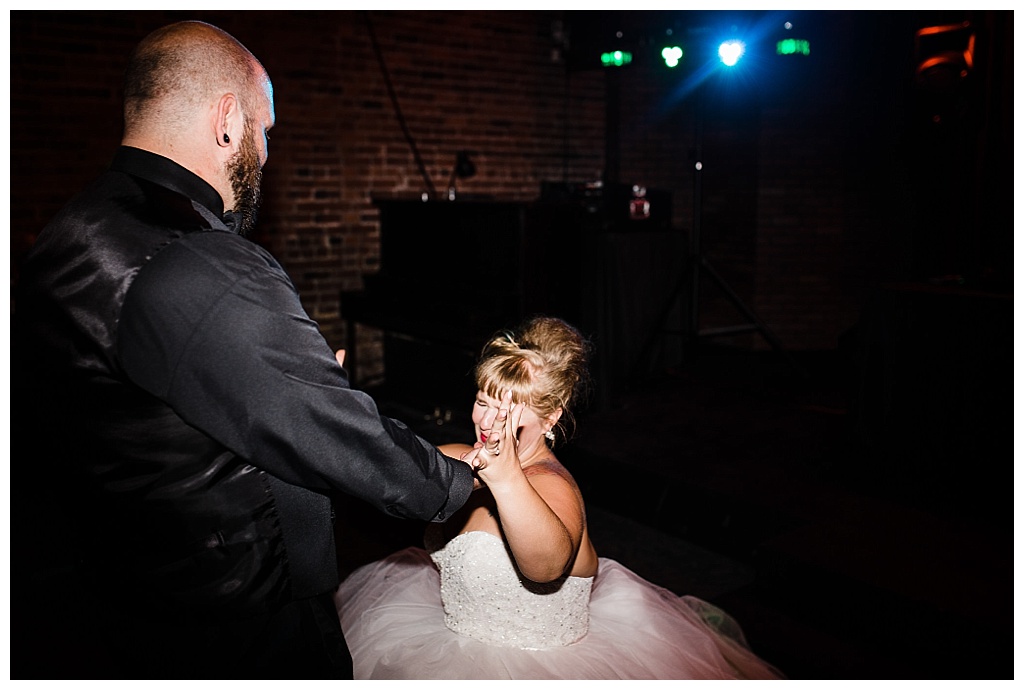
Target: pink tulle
point(393, 620)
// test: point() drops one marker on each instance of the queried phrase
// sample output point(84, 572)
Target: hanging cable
point(398, 110)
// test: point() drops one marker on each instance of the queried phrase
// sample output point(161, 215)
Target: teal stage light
point(793, 46)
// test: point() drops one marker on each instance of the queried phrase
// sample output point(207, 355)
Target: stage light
point(672, 55)
point(730, 52)
point(793, 46)
point(616, 58)
point(945, 54)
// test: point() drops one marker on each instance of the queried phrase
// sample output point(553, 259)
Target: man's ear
point(227, 121)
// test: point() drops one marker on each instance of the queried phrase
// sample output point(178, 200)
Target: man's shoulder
point(223, 252)
point(205, 261)
point(117, 210)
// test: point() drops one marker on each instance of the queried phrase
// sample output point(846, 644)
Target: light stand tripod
point(696, 263)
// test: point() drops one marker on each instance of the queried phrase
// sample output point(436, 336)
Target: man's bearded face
point(246, 175)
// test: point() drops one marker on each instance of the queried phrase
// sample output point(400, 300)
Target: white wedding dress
point(462, 611)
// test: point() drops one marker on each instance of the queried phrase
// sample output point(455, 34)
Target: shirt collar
point(166, 173)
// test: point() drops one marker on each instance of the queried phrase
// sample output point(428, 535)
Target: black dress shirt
point(199, 424)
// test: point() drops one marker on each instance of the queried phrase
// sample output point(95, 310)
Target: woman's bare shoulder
point(455, 450)
point(550, 467)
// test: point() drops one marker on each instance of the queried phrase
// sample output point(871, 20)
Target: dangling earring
point(549, 435)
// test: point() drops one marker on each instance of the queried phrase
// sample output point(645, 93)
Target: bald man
point(194, 420)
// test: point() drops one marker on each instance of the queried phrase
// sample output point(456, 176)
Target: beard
point(245, 175)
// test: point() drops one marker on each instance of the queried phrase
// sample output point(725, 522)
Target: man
point(191, 414)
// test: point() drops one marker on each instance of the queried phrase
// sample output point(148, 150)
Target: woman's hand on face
point(493, 460)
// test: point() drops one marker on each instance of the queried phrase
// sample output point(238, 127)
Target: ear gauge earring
point(227, 139)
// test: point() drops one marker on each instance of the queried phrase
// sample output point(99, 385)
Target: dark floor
point(850, 540)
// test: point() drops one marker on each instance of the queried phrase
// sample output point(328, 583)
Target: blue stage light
point(730, 52)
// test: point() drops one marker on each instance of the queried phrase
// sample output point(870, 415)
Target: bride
point(511, 585)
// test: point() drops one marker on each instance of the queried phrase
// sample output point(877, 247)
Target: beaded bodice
point(486, 598)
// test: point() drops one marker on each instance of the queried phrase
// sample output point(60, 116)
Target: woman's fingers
point(498, 427)
point(512, 426)
point(498, 453)
point(476, 458)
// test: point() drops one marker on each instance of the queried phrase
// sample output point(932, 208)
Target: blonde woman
point(511, 585)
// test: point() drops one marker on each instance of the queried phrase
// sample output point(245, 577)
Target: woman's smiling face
point(531, 427)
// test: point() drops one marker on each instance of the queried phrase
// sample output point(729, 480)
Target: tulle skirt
point(393, 621)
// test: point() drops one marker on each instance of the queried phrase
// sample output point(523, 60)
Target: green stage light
point(616, 58)
point(672, 55)
point(793, 46)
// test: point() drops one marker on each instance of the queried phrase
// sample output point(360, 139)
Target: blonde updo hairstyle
point(545, 364)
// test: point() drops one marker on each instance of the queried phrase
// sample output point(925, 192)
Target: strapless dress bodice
point(486, 597)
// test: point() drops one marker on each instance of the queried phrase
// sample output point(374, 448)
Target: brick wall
point(480, 81)
point(805, 195)
point(786, 147)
